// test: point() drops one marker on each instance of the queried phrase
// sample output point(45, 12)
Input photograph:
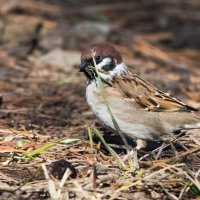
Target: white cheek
point(119, 69)
point(104, 62)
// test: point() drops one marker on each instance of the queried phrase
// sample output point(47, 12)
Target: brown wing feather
point(145, 96)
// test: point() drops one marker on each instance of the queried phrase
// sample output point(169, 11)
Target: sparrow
point(141, 110)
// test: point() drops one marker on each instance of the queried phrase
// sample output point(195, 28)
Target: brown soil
point(43, 97)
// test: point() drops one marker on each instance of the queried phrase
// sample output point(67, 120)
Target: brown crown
point(101, 49)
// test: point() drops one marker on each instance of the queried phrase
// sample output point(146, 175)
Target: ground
point(43, 101)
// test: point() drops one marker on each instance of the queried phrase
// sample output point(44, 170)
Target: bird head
point(108, 62)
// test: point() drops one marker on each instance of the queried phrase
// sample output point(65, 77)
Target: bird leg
point(140, 144)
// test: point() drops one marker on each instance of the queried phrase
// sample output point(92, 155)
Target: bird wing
point(145, 96)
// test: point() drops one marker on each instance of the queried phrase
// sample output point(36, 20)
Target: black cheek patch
point(109, 67)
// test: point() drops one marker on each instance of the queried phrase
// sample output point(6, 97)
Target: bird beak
point(83, 65)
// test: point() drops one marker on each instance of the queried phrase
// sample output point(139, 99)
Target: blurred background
point(42, 93)
point(41, 43)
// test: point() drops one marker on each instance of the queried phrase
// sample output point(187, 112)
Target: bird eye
point(98, 59)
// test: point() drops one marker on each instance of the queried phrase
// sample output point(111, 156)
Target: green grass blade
point(90, 137)
point(47, 146)
point(120, 163)
point(67, 141)
point(110, 112)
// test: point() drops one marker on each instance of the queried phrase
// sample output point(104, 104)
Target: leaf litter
point(43, 104)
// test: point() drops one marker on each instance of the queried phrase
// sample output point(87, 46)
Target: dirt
point(43, 97)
